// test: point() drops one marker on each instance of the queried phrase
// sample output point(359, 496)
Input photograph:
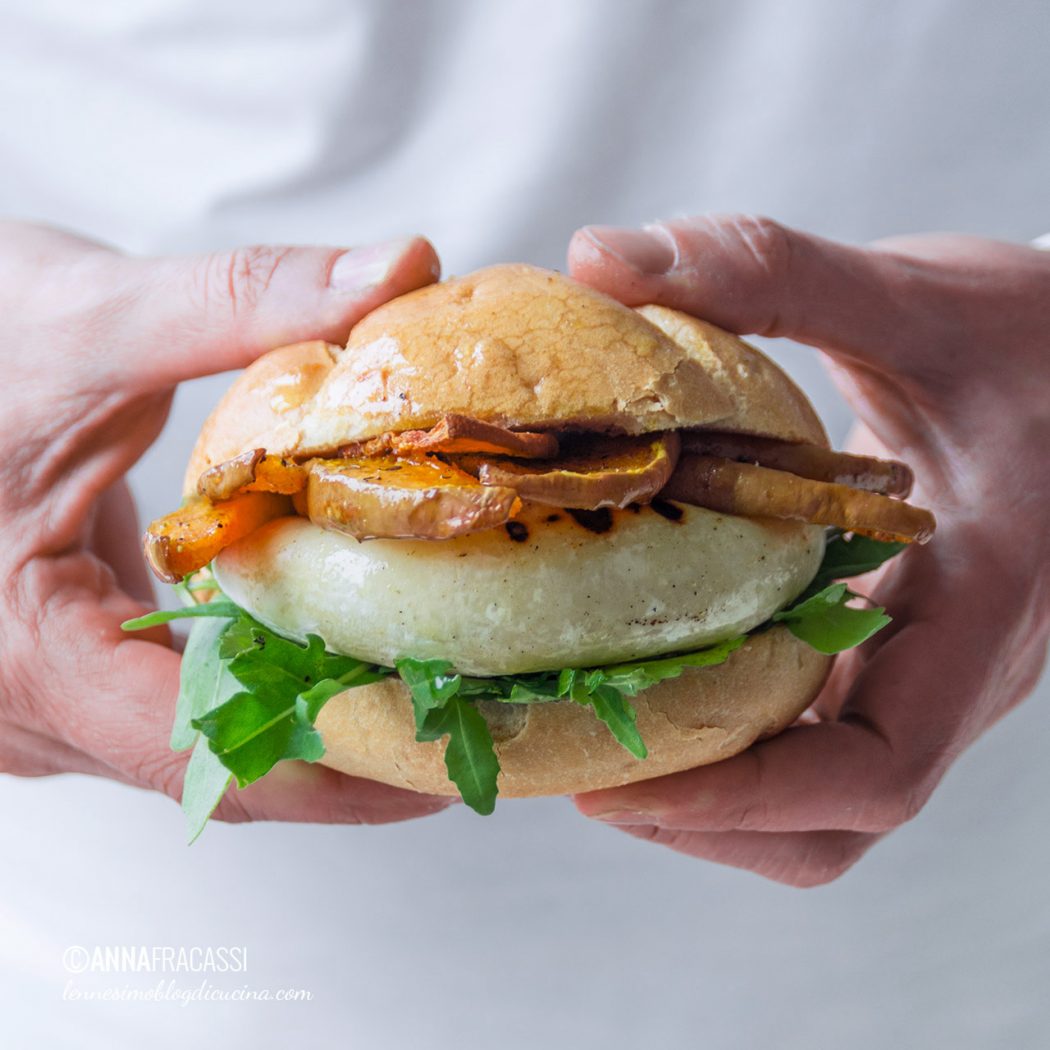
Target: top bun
point(514, 345)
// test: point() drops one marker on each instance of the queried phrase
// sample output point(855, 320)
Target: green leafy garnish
point(440, 711)
point(612, 707)
point(470, 757)
point(632, 678)
point(828, 624)
point(431, 683)
point(845, 557)
point(204, 683)
point(204, 680)
point(203, 787)
point(284, 685)
point(220, 607)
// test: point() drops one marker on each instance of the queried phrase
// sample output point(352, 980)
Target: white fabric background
point(497, 128)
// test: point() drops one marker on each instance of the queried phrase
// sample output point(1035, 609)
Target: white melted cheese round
point(545, 592)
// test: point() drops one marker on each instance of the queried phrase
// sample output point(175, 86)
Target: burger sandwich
point(513, 538)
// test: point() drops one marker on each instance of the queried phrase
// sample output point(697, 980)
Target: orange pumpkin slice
point(597, 472)
point(184, 541)
point(385, 497)
point(252, 471)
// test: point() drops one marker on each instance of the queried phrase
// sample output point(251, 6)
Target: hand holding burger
point(92, 347)
point(939, 342)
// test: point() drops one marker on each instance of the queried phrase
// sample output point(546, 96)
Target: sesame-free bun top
point(515, 345)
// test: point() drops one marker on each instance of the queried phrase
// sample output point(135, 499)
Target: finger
point(755, 276)
point(298, 791)
point(829, 776)
point(31, 754)
point(804, 859)
point(146, 324)
point(160, 321)
point(186, 318)
point(115, 539)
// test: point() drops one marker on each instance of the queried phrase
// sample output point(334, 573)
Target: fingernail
point(646, 251)
point(365, 267)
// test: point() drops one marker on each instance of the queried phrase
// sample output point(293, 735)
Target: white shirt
point(497, 128)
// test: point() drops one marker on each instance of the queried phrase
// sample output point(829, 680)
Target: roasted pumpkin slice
point(455, 433)
point(885, 476)
point(252, 471)
point(386, 497)
point(184, 541)
point(277, 474)
point(761, 492)
point(597, 472)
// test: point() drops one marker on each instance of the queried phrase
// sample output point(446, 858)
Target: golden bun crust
point(511, 344)
point(765, 401)
point(514, 345)
point(263, 408)
point(556, 748)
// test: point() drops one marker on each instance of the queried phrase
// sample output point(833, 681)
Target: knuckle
point(907, 791)
point(653, 833)
point(242, 276)
point(910, 803)
point(752, 816)
point(162, 770)
point(767, 243)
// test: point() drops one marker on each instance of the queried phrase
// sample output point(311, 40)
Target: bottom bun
point(560, 747)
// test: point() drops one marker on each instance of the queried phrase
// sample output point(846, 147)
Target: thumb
point(752, 275)
point(197, 316)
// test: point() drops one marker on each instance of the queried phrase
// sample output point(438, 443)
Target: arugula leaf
point(604, 689)
point(828, 624)
point(430, 685)
point(846, 557)
point(251, 734)
point(204, 681)
point(469, 755)
point(440, 710)
point(206, 781)
point(284, 685)
point(216, 607)
point(632, 678)
point(611, 706)
point(536, 687)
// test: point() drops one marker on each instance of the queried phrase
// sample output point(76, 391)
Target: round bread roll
point(531, 349)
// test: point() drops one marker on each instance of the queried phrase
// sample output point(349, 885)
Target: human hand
point(940, 344)
point(92, 347)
